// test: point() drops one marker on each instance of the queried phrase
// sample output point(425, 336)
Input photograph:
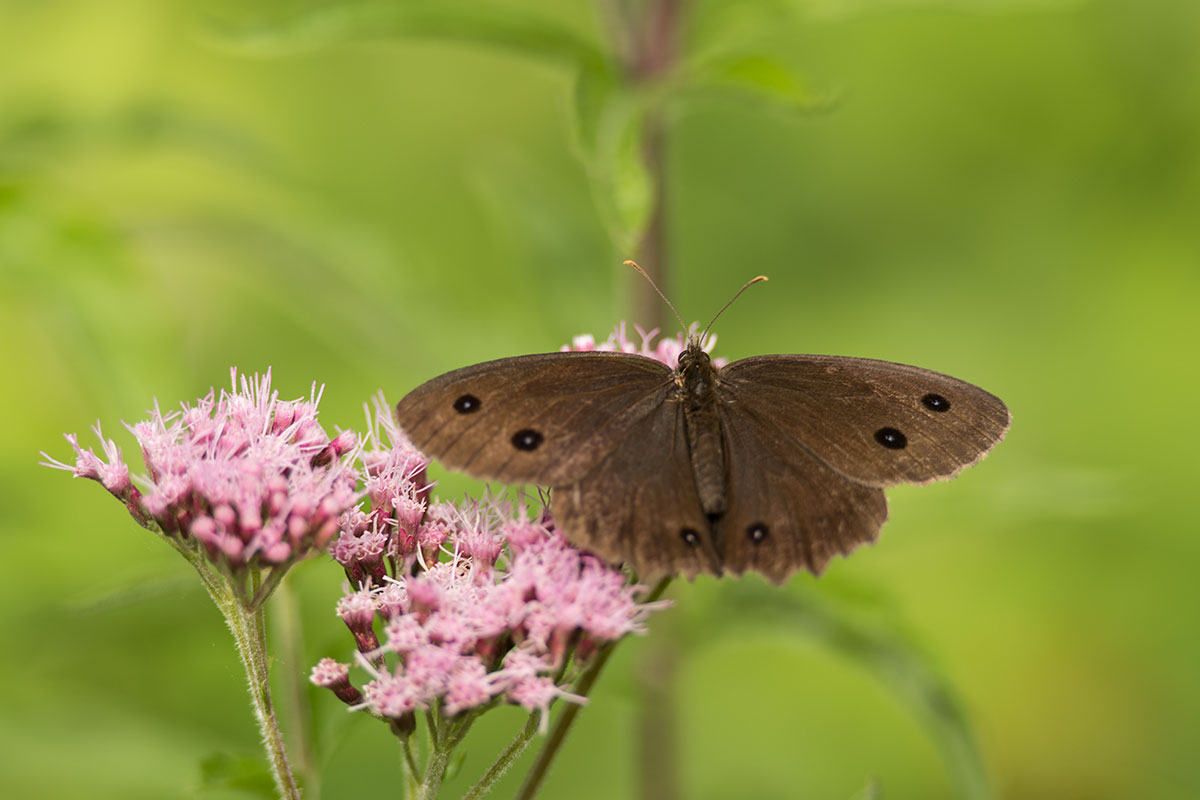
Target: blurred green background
point(1005, 190)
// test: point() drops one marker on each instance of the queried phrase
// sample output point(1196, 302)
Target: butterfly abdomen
point(707, 452)
point(697, 381)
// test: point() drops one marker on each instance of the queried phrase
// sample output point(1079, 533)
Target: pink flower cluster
point(456, 605)
point(666, 350)
point(385, 538)
point(254, 479)
point(471, 602)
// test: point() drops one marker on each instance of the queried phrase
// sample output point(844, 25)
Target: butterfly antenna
point(654, 286)
point(747, 285)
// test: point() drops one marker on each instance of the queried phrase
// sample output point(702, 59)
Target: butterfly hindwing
point(639, 505)
point(785, 509)
point(544, 419)
point(875, 422)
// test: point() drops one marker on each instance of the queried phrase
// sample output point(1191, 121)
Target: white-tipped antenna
point(654, 286)
point(745, 286)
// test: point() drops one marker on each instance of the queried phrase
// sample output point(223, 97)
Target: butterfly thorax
point(696, 378)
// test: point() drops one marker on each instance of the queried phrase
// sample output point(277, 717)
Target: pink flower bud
point(391, 696)
point(332, 675)
point(392, 600)
point(357, 610)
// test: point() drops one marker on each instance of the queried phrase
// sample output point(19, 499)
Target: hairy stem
point(505, 759)
point(435, 768)
point(249, 632)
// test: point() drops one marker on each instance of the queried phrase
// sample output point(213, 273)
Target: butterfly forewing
point(639, 505)
point(786, 509)
point(875, 422)
point(544, 419)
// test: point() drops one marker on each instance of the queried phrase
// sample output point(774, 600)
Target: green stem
point(435, 730)
point(435, 768)
point(414, 770)
point(268, 586)
point(249, 632)
point(506, 759)
point(249, 628)
point(562, 726)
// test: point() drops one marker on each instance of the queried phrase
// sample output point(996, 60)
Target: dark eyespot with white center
point(467, 404)
point(527, 439)
point(935, 402)
point(757, 532)
point(690, 537)
point(891, 438)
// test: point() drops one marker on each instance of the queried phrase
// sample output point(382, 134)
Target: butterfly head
point(693, 354)
point(696, 374)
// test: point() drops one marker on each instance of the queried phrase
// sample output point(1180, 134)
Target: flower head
point(255, 480)
point(391, 530)
point(666, 350)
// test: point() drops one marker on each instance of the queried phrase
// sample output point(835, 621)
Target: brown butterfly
point(771, 463)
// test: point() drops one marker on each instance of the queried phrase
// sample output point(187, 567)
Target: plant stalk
point(506, 759)
point(249, 633)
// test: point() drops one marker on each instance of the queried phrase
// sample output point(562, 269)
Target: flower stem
point(249, 632)
point(268, 587)
point(562, 726)
point(414, 769)
point(506, 759)
point(435, 768)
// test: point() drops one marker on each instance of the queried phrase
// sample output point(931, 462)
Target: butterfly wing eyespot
point(466, 404)
point(935, 402)
point(891, 438)
point(544, 419)
point(527, 439)
point(757, 532)
point(875, 422)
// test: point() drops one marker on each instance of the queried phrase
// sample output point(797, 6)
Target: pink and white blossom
point(666, 350)
point(255, 480)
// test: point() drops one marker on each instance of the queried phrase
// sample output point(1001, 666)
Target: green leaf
point(224, 771)
point(633, 185)
point(879, 646)
point(760, 77)
point(597, 93)
point(455, 766)
point(610, 120)
point(469, 22)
